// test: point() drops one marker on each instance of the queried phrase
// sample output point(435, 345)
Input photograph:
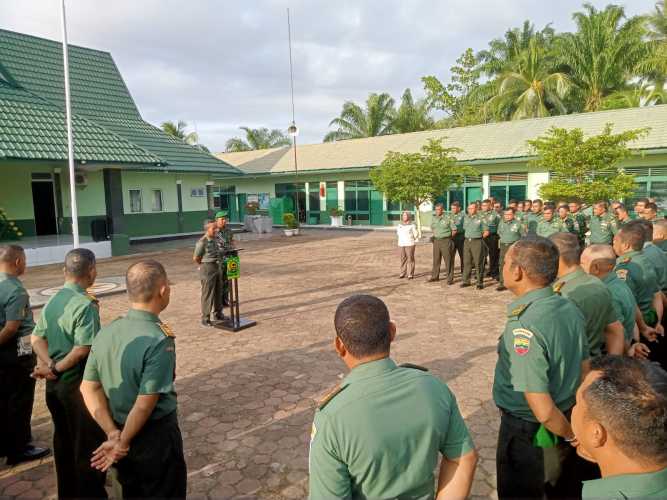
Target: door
point(241, 201)
point(332, 201)
point(377, 208)
point(473, 194)
point(44, 204)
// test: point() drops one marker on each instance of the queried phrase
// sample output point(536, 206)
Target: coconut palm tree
point(257, 138)
point(603, 54)
point(179, 130)
point(412, 116)
point(636, 97)
point(530, 88)
point(655, 65)
point(503, 52)
point(355, 122)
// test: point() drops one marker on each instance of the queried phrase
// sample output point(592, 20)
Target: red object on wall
point(322, 191)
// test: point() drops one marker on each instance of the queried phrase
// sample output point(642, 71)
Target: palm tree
point(503, 52)
point(412, 116)
point(355, 122)
point(531, 88)
point(257, 138)
point(603, 54)
point(179, 130)
point(639, 96)
point(655, 65)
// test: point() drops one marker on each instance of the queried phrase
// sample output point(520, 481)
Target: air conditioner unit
point(80, 179)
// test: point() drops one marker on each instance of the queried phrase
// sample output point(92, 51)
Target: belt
point(443, 238)
point(470, 239)
point(524, 425)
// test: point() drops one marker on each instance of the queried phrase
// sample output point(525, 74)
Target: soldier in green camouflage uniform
point(459, 238)
point(549, 224)
point(580, 224)
point(443, 227)
point(510, 230)
point(491, 219)
point(603, 225)
point(225, 241)
point(475, 229)
point(534, 216)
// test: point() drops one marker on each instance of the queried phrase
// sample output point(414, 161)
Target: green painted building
point(336, 174)
point(130, 176)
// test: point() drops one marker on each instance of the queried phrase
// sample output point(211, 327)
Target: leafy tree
point(585, 168)
point(257, 138)
point(415, 178)
point(412, 116)
point(463, 97)
point(530, 88)
point(603, 54)
point(356, 122)
point(179, 130)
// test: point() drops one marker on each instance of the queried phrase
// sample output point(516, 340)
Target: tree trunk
point(418, 221)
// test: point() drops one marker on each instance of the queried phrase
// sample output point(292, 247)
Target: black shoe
point(29, 454)
point(450, 282)
point(480, 287)
point(206, 322)
point(432, 280)
point(465, 285)
point(225, 303)
point(219, 317)
point(501, 288)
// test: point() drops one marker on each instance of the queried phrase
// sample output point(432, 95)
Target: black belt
point(470, 239)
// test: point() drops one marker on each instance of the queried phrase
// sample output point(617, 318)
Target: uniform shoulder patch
point(327, 399)
point(626, 260)
point(622, 274)
point(414, 367)
point(558, 286)
point(518, 310)
point(166, 329)
point(521, 342)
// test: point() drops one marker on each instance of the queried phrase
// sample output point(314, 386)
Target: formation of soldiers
point(578, 380)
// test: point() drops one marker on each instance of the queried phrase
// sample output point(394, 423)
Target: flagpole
point(70, 138)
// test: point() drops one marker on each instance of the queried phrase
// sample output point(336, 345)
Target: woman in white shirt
point(407, 238)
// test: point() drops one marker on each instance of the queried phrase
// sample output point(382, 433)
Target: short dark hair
point(621, 206)
point(651, 206)
point(527, 201)
point(207, 223)
point(509, 209)
point(630, 390)
point(79, 262)
point(538, 202)
point(643, 200)
point(362, 324)
point(441, 205)
point(601, 203)
point(10, 253)
point(538, 257)
point(455, 204)
point(568, 247)
point(512, 201)
point(646, 225)
point(549, 206)
point(143, 279)
point(633, 235)
point(486, 200)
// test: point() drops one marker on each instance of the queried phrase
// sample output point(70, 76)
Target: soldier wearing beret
point(225, 241)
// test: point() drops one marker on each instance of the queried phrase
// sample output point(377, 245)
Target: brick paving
point(246, 400)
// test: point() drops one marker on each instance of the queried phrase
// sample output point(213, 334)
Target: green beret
point(221, 214)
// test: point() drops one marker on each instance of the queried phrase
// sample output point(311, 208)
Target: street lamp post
point(293, 131)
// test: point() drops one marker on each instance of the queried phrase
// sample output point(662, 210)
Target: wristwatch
point(54, 370)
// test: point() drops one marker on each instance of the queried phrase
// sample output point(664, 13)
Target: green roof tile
point(106, 120)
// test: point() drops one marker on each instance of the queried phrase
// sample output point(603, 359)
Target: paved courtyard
point(246, 400)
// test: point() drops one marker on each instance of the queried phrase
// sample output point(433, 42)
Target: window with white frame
point(156, 205)
point(135, 201)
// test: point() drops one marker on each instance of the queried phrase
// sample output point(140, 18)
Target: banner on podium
point(233, 267)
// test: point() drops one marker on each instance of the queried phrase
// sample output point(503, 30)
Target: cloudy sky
point(222, 64)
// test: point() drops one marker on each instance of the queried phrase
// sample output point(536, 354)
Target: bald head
point(144, 280)
point(598, 260)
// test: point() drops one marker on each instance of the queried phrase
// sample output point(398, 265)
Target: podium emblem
point(233, 267)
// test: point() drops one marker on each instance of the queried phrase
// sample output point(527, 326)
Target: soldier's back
point(387, 424)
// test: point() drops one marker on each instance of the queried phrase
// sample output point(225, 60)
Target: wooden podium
point(234, 322)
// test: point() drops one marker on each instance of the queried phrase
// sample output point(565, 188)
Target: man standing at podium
point(225, 241)
point(208, 258)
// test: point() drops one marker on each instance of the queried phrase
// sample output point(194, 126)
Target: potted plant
point(291, 225)
point(336, 216)
point(251, 207)
point(8, 229)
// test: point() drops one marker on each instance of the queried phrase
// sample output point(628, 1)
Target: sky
point(220, 65)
